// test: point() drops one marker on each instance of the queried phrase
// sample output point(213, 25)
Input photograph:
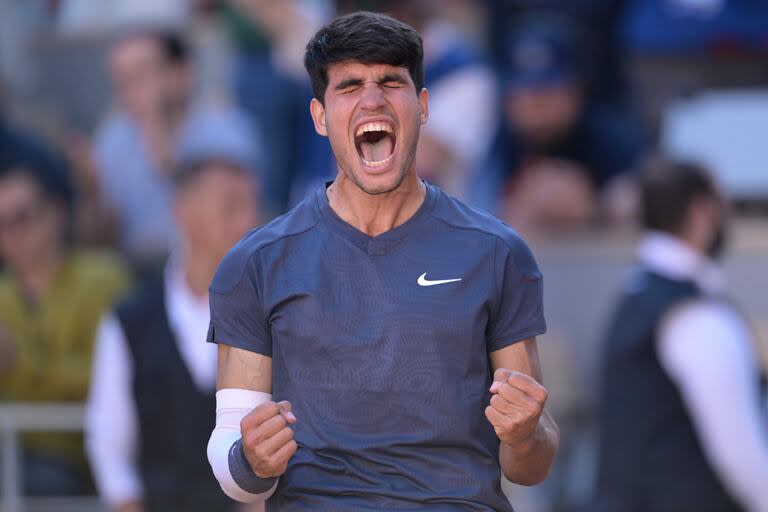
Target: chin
point(379, 181)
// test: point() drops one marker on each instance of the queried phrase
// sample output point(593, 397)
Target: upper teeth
point(373, 127)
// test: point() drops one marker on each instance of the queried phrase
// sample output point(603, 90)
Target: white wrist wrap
point(232, 405)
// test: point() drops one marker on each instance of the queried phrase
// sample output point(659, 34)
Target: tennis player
point(377, 344)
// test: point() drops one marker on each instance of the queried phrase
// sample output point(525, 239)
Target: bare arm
point(242, 369)
point(266, 435)
point(528, 434)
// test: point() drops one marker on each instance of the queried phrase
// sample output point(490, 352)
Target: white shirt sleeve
point(110, 418)
point(706, 349)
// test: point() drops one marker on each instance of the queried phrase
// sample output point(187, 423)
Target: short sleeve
point(237, 314)
point(519, 309)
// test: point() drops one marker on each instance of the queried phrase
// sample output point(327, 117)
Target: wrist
point(244, 474)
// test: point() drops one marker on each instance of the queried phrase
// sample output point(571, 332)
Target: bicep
point(522, 357)
point(243, 369)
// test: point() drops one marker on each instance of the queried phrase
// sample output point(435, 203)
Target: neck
point(198, 273)
point(374, 214)
point(37, 274)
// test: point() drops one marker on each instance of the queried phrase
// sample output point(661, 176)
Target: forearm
point(528, 462)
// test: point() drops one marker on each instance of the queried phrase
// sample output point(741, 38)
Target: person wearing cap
point(151, 401)
point(52, 294)
point(556, 153)
point(136, 145)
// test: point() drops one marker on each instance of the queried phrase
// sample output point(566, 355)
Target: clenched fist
point(516, 406)
point(268, 441)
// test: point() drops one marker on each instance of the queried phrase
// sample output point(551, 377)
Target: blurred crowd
point(139, 140)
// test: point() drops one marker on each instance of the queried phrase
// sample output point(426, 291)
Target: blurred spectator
point(696, 26)
point(135, 147)
point(597, 22)
point(675, 48)
point(150, 408)
point(272, 86)
point(99, 16)
point(51, 298)
point(462, 94)
point(682, 415)
point(556, 154)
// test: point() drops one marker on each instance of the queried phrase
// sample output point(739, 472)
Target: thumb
point(285, 411)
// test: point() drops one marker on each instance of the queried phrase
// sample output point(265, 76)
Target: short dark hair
point(668, 187)
point(189, 171)
point(22, 153)
point(366, 37)
point(172, 44)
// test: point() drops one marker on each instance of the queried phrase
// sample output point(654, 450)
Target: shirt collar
point(670, 257)
point(181, 302)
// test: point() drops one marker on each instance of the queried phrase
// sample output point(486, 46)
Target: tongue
point(377, 151)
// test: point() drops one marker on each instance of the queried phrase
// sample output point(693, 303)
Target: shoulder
point(509, 243)
point(700, 330)
point(101, 275)
point(98, 265)
point(703, 315)
point(234, 265)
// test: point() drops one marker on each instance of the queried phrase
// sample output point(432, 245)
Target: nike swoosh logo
point(423, 281)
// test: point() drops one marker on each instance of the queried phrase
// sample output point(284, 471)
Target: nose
point(372, 97)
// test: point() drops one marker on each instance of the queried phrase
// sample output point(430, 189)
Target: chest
point(383, 320)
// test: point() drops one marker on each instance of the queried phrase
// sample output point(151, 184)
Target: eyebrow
point(388, 77)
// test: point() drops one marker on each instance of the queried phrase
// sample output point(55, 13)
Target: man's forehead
point(353, 68)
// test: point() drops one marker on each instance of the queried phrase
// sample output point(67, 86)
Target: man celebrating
point(393, 327)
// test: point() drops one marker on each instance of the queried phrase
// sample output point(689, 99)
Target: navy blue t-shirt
point(381, 344)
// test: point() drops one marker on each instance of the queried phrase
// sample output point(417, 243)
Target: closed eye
point(348, 89)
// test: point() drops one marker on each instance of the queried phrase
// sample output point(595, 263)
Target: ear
point(424, 105)
point(697, 223)
point(318, 116)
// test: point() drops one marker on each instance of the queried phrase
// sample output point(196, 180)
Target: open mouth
point(375, 143)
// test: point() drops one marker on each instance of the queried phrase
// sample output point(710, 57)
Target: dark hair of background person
point(366, 37)
point(188, 171)
point(668, 188)
point(52, 180)
point(23, 154)
point(173, 45)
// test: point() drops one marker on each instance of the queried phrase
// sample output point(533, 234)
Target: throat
point(375, 214)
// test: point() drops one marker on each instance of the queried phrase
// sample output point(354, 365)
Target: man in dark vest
point(151, 404)
point(682, 415)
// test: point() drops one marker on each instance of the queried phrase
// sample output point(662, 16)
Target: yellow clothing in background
point(54, 338)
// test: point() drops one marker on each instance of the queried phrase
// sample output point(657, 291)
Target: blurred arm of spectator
point(550, 192)
point(706, 348)
point(111, 421)
point(466, 97)
point(94, 223)
point(288, 24)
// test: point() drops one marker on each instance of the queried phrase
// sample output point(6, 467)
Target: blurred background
point(542, 112)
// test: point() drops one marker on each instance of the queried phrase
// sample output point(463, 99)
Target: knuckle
point(250, 440)
point(260, 453)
